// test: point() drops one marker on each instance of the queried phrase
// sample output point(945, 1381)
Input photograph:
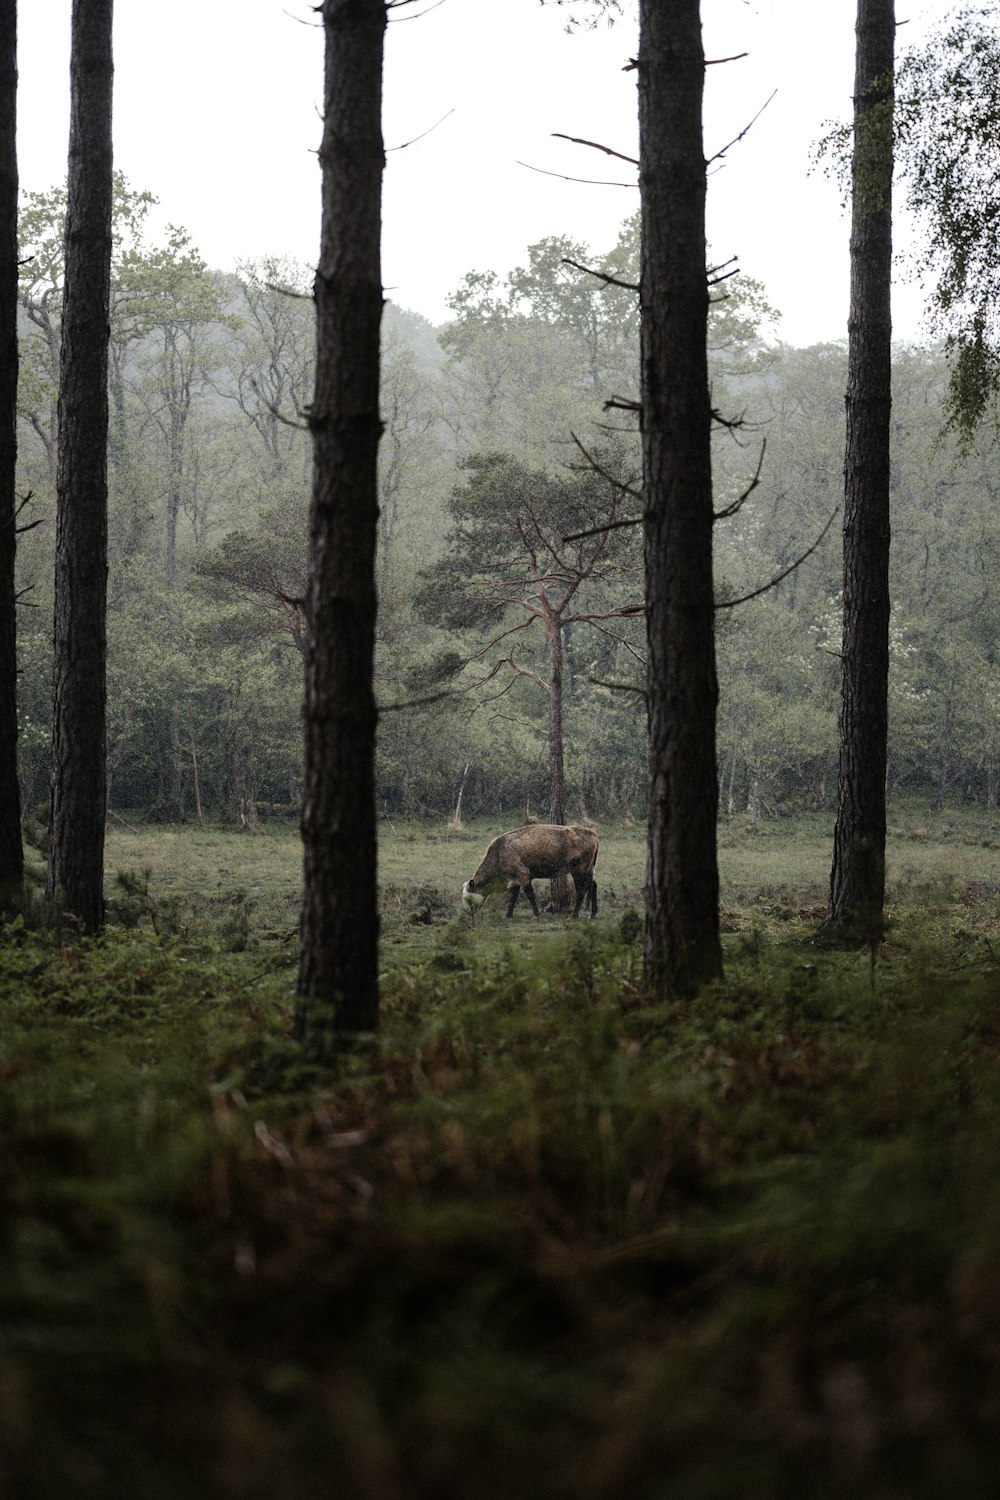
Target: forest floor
point(537, 1240)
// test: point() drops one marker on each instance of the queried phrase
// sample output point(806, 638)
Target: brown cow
point(541, 850)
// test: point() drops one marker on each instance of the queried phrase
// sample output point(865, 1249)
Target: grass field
point(538, 1239)
point(203, 875)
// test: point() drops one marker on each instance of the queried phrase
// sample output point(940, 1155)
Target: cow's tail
point(593, 885)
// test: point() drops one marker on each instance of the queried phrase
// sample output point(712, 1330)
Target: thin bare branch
point(24, 501)
point(618, 484)
point(273, 411)
point(577, 140)
point(286, 291)
point(424, 133)
point(495, 641)
point(737, 138)
point(395, 708)
point(728, 424)
point(577, 536)
point(711, 271)
point(587, 181)
point(764, 588)
point(628, 286)
point(613, 635)
point(738, 504)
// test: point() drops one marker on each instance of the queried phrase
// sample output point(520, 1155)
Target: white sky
point(217, 113)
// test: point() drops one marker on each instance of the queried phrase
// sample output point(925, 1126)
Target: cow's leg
point(529, 891)
point(513, 891)
point(580, 882)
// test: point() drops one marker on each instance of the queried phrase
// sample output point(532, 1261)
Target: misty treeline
point(508, 469)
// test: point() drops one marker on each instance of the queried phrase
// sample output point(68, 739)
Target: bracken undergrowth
point(537, 1238)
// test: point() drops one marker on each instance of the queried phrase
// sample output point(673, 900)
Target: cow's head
point(471, 898)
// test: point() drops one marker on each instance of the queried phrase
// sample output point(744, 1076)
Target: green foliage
point(539, 351)
point(205, 673)
point(947, 126)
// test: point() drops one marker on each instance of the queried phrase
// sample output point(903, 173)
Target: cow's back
point(550, 849)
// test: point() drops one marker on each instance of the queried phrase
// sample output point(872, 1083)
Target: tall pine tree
point(78, 793)
point(338, 986)
point(11, 847)
point(683, 947)
point(857, 882)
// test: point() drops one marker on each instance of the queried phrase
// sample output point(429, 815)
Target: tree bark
point(338, 989)
point(682, 942)
point(78, 788)
point(857, 882)
point(11, 846)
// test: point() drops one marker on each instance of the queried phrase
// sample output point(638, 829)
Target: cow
point(541, 850)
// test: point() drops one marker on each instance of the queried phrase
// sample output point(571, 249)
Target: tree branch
point(395, 708)
point(576, 536)
point(737, 138)
point(618, 484)
point(764, 588)
point(619, 687)
point(587, 181)
point(613, 635)
point(628, 286)
point(737, 505)
point(577, 140)
point(431, 128)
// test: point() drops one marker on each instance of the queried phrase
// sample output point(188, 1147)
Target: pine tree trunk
point(338, 990)
point(11, 846)
point(857, 883)
point(683, 947)
point(78, 789)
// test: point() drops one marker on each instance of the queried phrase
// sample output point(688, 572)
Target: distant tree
point(258, 571)
point(42, 240)
point(175, 307)
point(857, 881)
point(410, 462)
point(542, 348)
point(78, 792)
point(682, 944)
point(270, 356)
point(338, 969)
point(259, 576)
point(508, 568)
point(11, 847)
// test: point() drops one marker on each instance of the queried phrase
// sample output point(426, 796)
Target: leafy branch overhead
point(947, 159)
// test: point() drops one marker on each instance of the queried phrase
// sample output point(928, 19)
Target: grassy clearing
point(198, 874)
point(537, 1239)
